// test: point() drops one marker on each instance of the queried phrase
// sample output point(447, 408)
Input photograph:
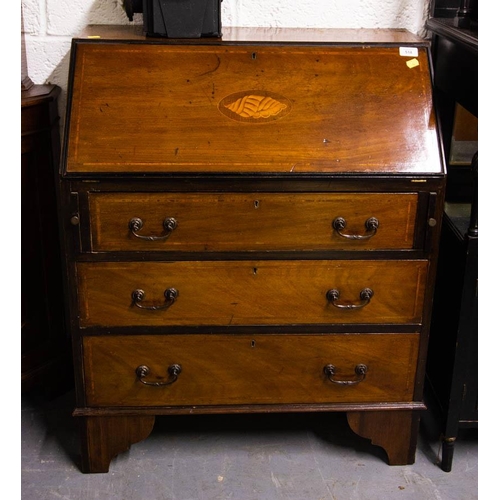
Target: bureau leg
point(448, 449)
point(103, 438)
point(395, 431)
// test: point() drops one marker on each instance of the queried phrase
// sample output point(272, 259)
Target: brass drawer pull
point(135, 224)
point(365, 295)
point(360, 370)
point(173, 374)
point(371, 224)
point(138, 296)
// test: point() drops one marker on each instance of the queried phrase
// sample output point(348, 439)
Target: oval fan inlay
point(255, 106)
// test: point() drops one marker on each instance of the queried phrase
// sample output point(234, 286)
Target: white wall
point(49, 25)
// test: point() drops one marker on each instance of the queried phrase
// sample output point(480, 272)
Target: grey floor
point(261, 457)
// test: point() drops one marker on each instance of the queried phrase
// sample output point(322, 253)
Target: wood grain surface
point(166, 108)
point(250, 292)
point(251, 221)
point(234, 369)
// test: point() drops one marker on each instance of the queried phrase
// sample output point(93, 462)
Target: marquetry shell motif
point(255, 106)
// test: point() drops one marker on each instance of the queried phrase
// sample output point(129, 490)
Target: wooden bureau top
point(257, 101)
point(234, 34)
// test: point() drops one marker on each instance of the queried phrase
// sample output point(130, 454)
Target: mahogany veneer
point(265, 203)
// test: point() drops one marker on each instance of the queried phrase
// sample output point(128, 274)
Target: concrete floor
point(239, 457)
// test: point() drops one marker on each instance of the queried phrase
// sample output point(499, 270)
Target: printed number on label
point(408, 51)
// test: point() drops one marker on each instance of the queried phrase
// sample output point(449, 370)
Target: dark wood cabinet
point(452, 366)
point(45, 356)
point(452, 378)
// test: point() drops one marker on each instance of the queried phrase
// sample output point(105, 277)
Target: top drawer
point(251, 221)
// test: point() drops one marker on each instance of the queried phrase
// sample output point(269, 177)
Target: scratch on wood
point(212, 70)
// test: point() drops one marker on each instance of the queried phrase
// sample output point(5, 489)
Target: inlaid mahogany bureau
point(251, 225)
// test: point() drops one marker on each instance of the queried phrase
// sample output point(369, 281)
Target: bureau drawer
point(245, 369)
point(250, 292)
point(251, 221)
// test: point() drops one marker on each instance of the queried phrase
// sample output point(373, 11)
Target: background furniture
point(45, 345)
point(251, 225)
point(452, 380)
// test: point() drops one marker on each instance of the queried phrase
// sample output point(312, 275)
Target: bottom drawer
point(248, 369)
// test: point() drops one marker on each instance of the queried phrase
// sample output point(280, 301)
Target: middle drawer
point(269, 292)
